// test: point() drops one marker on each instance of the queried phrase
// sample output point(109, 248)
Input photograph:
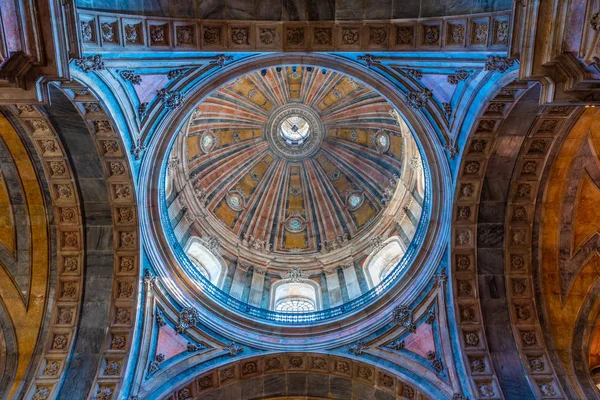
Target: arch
point(211, 266)
point(302, 375)
point(378, 264)
point(305, 290)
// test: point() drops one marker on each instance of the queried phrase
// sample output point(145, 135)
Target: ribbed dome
point(295, 159)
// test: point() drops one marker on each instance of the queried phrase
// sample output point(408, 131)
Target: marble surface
point(99, 241)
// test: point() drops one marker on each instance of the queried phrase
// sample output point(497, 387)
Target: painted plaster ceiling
point(286, 197)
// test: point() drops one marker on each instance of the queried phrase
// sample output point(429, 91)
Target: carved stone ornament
point(378, 36)
point(184, 34)
point(480, 33)
point(157, 34)
point(295, 36)
point(460, 75)
point(240, 36)
point(41, 393)
point(418, 99)
point(170, 98)
point(149, 278)
point(502, 32)
point(403, 316)
point(457, 33)
point(450, 146)
point(323, 36)
point(131, 76)
point(221, 59)
point(415, 73)
point(131, 33)
point(233, 349)
point(267, 36)
point(497, 63)
point(90, 63)
point(358, 348)
point(188, 317)
point(432, 34)
point(86, 31)
point(176, 73)
point(137, 148)
point(193, 347)
point(369, 60)
point(295, 275)
point(404, 35)
point(212, 35)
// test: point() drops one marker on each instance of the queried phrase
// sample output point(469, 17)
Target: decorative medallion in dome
point(299, 167)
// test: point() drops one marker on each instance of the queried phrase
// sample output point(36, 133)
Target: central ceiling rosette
point(295, 160)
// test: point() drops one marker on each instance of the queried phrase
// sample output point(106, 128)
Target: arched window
point(209, 265)
point(378, 265)
point(295, 296)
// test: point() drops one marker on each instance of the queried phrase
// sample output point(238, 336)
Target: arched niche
point(377, 265)
point(304, 290)
point(211, 266)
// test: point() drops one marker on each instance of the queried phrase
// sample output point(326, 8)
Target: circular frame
point(372, 315)
point(311, 144)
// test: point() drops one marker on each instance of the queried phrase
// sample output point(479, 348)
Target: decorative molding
point(131, 76)
point(431, 34)
point(497, 63)
point(90, 63)
point(417, 99)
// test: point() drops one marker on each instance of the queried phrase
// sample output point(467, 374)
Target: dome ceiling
point(294, 159)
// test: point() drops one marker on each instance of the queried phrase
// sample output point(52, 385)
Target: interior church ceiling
point(299, 200)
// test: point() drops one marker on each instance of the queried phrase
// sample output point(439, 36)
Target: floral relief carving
point(86, 31)
point(131, 33)
point(122, 192)
point(432, 34)
point(69, 290)
point(378, 36)
point(65, 316)
point(502, 32)
point(498, 63)
point(157, 34)
point(108, 32)
point(126, 289)
point(272, 363)
point(471, 339)
point(267, 36)
point(90, 63)
point(188, 317)
point(52, 368)
point(295, 36)
point(480, 33)
point(59, 342)
point(113, 367)
point(212, 35)
point(350, 35)
point(240, 36)
point(123, 316)
point(184, 34)
point(118, 342)
point(110, 147)
point(405, 35)
point(131, 76)
point(41, 393)
point(323, 36)
point(418, 99)
point(457, 34)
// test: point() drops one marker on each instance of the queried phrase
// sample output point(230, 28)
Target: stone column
point(258, 283)
point(239, 281)
point(333, 287)
point(351, 279)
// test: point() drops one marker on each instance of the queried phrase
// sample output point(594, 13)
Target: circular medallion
point(295, 131)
